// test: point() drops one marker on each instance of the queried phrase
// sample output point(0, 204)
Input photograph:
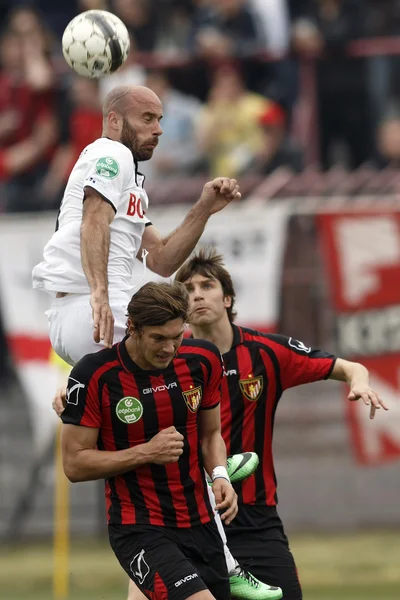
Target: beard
point(130, 140)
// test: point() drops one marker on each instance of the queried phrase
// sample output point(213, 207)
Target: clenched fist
point(218, 193)
point(165, 447)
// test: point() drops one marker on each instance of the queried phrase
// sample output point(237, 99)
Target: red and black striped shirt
point(129, 406)
point(259, 367)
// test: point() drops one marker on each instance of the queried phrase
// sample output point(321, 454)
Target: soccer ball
point(95, 43)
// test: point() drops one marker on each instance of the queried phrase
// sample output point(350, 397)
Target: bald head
point(124, 98)
point(131, 115)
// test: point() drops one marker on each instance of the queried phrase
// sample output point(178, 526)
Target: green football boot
point(241, 466)
point(244, 586)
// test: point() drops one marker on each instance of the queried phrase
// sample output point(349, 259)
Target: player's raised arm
point(167, 254)
point(95, 245)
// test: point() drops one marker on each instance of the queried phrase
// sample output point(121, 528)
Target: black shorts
point(172, 563)
point(257, 540)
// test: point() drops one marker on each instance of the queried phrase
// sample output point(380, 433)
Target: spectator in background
point(131, 73)
point(57, 14)
point(229, 132)
point(177, 150)
point(329, 25)
point(175, 26)
point(82, 122)
point(28, 128)
point(277, 149)
point(382, 19)
point(225, 28)
point(141, 20)
point(37, 44)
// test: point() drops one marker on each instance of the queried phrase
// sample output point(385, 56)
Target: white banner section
point(21, 247)
point(251, 236)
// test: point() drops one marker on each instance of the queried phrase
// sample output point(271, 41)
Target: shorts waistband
point(116, 297)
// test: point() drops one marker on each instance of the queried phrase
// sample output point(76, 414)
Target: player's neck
point(220, 334)
point(110, 135)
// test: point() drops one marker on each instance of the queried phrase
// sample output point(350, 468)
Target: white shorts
point(71, 324)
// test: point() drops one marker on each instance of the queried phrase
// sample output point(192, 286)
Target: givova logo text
point(185, 579)
point(160, 388)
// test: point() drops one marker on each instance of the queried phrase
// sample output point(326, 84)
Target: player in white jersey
point(102, 227)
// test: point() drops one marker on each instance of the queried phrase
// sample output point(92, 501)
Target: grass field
point(361, 566)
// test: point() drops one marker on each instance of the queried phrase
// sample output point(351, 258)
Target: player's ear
point(115, 121)
point(130, 328)
point(227, 301)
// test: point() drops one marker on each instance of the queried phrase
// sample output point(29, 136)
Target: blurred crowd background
point(306, 90)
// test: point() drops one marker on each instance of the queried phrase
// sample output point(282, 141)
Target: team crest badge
point(193, 398)
point(252, 388)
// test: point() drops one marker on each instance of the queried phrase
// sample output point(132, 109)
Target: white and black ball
point(95, 43)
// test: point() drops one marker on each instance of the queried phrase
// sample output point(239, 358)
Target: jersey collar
point(237, 335)
point(124, 357)
point(139, 177)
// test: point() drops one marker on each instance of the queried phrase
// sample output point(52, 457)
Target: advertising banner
point(362, 257)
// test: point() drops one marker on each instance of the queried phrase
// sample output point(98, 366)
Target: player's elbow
point(165, 271)
point(72, 471)
point(161, 268)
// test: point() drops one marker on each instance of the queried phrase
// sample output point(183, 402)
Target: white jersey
point(107, 167)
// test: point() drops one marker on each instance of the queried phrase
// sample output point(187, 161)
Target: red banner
point(362, 257)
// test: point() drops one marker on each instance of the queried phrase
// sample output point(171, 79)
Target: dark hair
point(157, 303)
point(208, 263)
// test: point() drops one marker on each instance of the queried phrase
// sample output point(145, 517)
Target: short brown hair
point(157, 303)
point(208, 263)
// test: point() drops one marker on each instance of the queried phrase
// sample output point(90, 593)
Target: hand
point(103, 319)
point(218, 193)
point(369, 397)
point(165, 447)
point(226, 499)
point(59, 401)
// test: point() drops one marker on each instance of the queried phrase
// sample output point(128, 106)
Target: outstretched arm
point(357, 377)
point(167, 254)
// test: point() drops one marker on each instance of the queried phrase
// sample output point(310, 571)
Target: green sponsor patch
point(129, 410)
point(107, 167)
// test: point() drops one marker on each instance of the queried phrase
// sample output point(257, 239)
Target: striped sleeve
point(82, 399)
point(299, 363)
